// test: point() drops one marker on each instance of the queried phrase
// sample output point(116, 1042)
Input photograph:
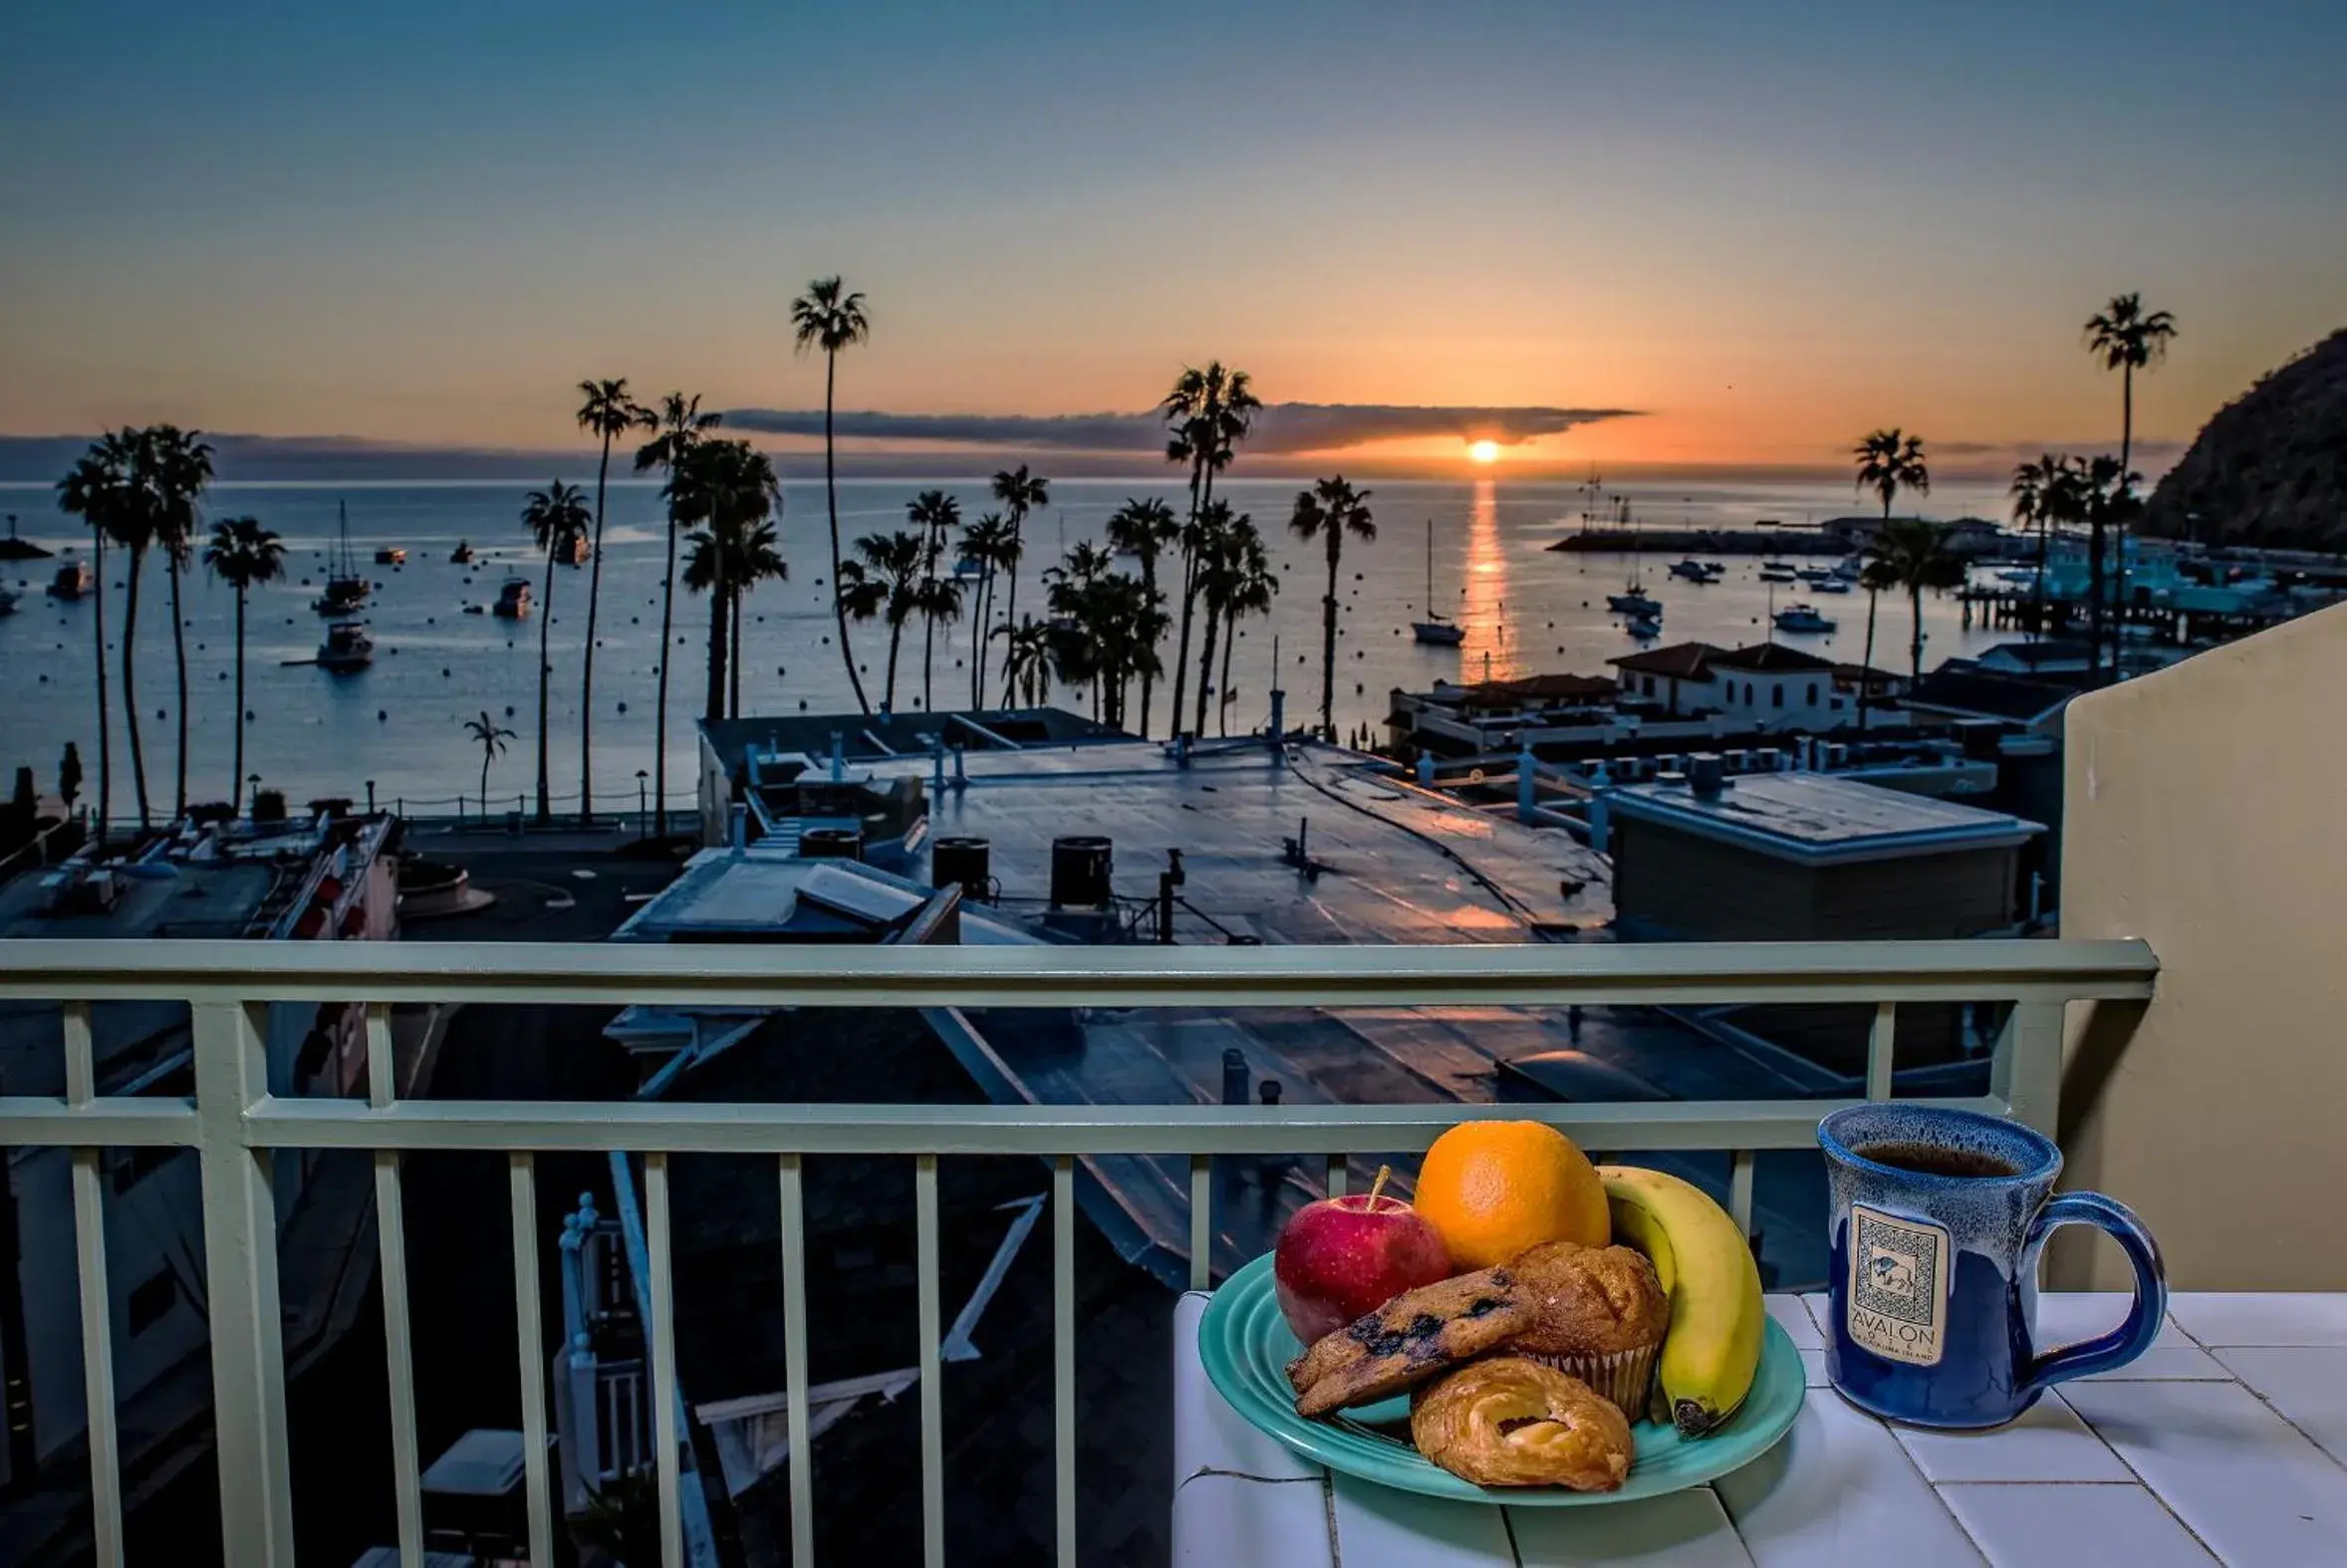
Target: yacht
point(1801, 618)
point(1814, 575)
point(1849, 568)
point(1437, 630)
point(1644, 627)
point(1777, 572)
point(573, 550)
point(513, 598)
point(391, 555)
point(72, 580)
point(463, 553)
point(346, 591)
point(347, 647)
point(1829, 583)
point(1694, 571)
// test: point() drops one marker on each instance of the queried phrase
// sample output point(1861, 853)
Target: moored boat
point(1644, 627)
point(1437, 630)
point(513, 598)
point(1801, 618)
point(347, 647)
point(391, 555)
point(73, 581)
point(463, 553)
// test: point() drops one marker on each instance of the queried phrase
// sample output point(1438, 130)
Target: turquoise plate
point(1246, 1346)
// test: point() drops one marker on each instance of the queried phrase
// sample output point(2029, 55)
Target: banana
point(1707, 1269)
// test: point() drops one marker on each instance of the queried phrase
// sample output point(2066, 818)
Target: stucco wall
point(2206, 811)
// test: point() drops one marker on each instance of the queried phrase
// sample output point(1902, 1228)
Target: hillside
point(2271, 467)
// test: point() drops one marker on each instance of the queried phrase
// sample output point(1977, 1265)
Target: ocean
point(399, 725)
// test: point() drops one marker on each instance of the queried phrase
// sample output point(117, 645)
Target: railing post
point(2026, 1068)
point(240, 1259)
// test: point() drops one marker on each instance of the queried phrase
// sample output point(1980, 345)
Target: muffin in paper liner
point(1626, 1377)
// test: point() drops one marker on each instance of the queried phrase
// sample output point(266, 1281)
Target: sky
point(1743, 233)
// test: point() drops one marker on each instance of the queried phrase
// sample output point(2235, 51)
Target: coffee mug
point(1936, 1221)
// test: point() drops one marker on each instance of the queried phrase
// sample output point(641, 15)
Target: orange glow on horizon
point(1483, 452)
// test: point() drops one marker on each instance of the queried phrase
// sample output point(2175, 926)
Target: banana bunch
point(1707, 1269)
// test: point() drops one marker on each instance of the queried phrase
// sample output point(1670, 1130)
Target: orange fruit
point(1493, 1188)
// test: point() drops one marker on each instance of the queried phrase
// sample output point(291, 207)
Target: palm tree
point(557, 517)
point(885, 579)
point(991, 544)
point(1331, 509)
point(1073, 599)
point(2037, 497)
point(748, 559)
point(1208, 413)
point(607, 412)
point(1889, 460)
point(2127, 338)
point(242, 554)
point(492, 741)
point(133, 525)
point(1915, 555)
point(827, 317)
point(1020, 493)
point(1247, 592)
point(1211, 548)
point(1027, 657)
point(1143, 528)
point(936, 515)
point(179, 465)
point(683, 428)
point(2101, 495)
point(730, 489)
point(98, 489)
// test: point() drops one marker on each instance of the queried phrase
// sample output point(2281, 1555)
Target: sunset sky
point(1763, 228)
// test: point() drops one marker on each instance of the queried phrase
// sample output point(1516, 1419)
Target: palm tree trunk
point(2094, 590)
point(733, 641)
point(2126, 448)
point(1205, 665)
point(1011, 606)
point(978, 633)
point(180, 666)
point(714, 702)
point(486, 754)
point(1328, 638)
point(1189, 571)
point(660, 742)
point(1866, 663)
point(896, 637)
point(1915, 646)
point(1222, 690)
point(831, 497)
point(545, 668)
point(106, 748)
point(1149, 593)
point(587, 658)
point(929, 625)
point(237, 772)
point(131, 683)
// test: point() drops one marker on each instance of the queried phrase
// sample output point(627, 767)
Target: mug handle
point(2131, 1338)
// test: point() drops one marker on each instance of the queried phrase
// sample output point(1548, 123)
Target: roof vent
point(1706, 774)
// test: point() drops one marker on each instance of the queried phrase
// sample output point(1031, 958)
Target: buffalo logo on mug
point(1898, 1287)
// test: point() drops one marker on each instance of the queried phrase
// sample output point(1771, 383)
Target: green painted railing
point(232, 1123)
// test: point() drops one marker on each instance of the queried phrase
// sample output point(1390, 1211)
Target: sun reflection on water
point(1491, 646)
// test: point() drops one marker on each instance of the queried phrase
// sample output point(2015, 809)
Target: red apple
point(1343, 1258)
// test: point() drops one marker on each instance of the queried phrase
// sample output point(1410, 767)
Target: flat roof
point(163, 899)
point(1822, 817)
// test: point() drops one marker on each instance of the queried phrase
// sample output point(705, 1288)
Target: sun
point(1483, 452)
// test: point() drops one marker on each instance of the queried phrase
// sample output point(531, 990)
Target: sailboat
point(346, 591)
point(1436, 630)
point(1634, 600)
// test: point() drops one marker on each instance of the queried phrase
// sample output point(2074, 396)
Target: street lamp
point(642, 821)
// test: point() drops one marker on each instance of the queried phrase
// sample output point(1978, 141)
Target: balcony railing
point(233, 1123)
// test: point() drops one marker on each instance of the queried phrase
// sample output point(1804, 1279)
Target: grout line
point(2278, 1413)
point(1240, 1475)
point(2166, 1507)
point(1507, 1522)
point(1328, 1504)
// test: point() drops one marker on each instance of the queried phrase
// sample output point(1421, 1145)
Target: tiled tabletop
point(2225, 1442)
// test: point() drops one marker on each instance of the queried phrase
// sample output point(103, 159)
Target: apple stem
point(1379, 1185)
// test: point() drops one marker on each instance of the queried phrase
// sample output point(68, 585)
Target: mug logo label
point(1898, 1287)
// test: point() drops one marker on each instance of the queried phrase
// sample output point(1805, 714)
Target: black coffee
point(1934, 1160)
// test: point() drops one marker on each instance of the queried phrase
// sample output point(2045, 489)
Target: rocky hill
point(2271, 468)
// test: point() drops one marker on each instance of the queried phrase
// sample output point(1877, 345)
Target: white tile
point(2218, 1318)
point(2038, 1526)
point(2069, 1317)
point(1821, 1313)
point(2245, 1481)
point(2307, 1384)
point(1839, 1491)
point(1208, 1434)
point(1686, 1530)
point(1813, 1371)
point(1790, 1312)
point(2047, 1443)
point(1228, 1521)
point(1379, 1527)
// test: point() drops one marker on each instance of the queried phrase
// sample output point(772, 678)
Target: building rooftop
point(1821, 819)
point(865, 737)
point(1961, 688)
point(1770, 658)
point(766, 894)
point(1687, 661)
point(1561, 687)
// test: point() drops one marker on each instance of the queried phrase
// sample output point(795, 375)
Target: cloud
point(1280, 427)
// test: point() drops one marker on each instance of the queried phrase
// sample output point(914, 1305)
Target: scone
point(1510, 1421)
point(1599, 1314)
point(1411, 1338)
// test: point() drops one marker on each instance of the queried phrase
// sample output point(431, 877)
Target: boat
point(968, 569)
point(72, 580)
point(573, 550)
point(463, 553)
point(1849, 568)
point(1801, 618)
point(346, 591)
point(1814, 575)
point(1777, 572)
point(1645, 628)
point(1435, 631)
point(347, 647)
point(1829, 583)
point(14, 549)
point(1694, 571)
point(391, 555)
point(513, 598)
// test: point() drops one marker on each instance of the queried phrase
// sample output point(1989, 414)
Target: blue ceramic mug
point(1936, 1221)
